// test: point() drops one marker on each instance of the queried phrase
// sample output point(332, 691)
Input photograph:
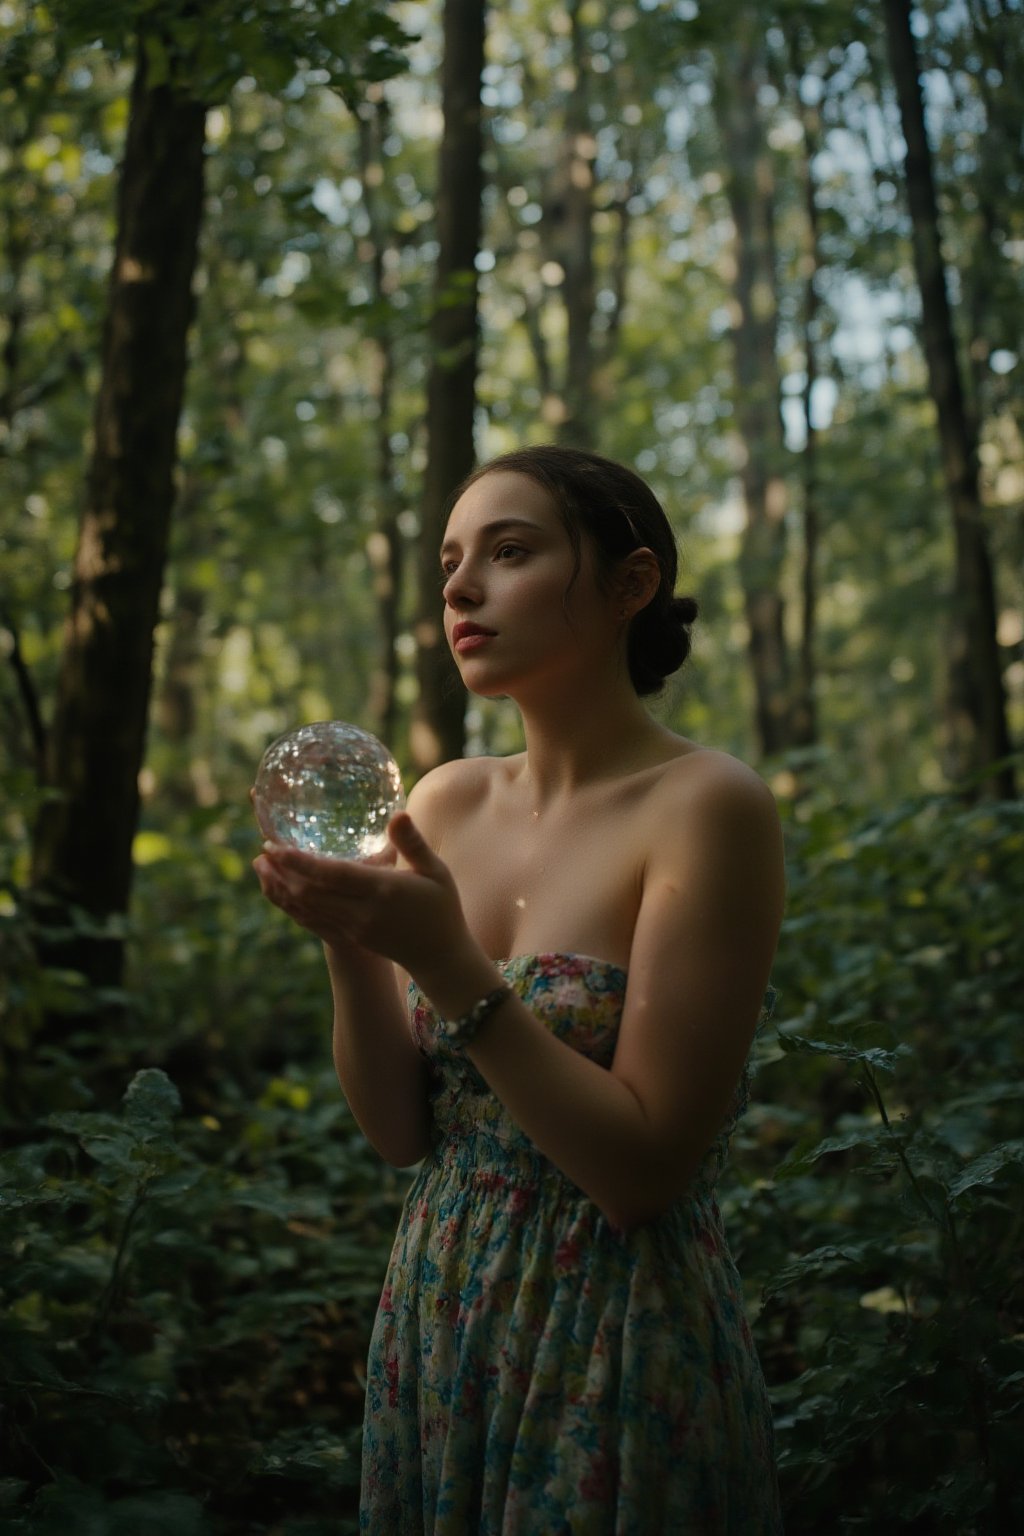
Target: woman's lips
point(470, 637)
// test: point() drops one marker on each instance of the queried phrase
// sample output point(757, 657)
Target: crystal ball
point(328, 788)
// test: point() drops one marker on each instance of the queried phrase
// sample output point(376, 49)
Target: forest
point(273, 277)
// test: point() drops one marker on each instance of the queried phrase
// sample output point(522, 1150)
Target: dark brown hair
point(617, 512)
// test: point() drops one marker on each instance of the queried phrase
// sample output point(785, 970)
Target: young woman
point(584, 932)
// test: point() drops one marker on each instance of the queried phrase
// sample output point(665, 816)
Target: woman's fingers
point(402, 913)
point(407, 838)
point(314, 883)
point(271, 884)
point(319, 867)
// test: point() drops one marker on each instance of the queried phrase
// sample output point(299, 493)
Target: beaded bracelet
point(461, 1031)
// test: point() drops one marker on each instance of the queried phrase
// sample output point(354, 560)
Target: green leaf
point(808, 1150)
point(311, 1455)
point(177, 1181)
point(106, 1138)
point(824, 1261)
point(986, 1169)
point(844, 1050)
point(151, 1102)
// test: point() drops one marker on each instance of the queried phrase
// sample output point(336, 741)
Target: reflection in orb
point(328, 788)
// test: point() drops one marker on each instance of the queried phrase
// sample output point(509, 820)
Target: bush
point(187, 1305)
point(186, 1297)
point(886, 1242)
point(191, 1265)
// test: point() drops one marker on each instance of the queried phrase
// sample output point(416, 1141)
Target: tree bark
point(385, 548)
point(82, 852)
point(577, 249)
point(977, 733)
point(805, 704)
point(438, 728)
point(750, 186)
point(180, 682)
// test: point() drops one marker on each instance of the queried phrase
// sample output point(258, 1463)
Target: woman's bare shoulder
point(706, 787)
point(710, 828)
point(453, 790)
point(702, 768)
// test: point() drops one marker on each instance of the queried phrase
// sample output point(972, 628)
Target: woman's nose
point(461, 590)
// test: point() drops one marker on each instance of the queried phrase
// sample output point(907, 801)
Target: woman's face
point(510, 618)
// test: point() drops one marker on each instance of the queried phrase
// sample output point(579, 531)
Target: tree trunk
point(977, 733)
point(386, 551)
point(577, 250)
point(805, 710)
point(750, 186)
point(438, 729)
point(82, 853)
point(385, 548)
point(176, 707)
point(181, 674)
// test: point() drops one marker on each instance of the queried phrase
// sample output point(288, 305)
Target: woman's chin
point(485, 682)
point(487, 690)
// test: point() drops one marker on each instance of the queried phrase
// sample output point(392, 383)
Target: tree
point(385, 547)
point(82, 847)
point(805, 712)
point(569, 224)
point(750, 185)
point(438, 726)
point(83, 840)
point(978, 736)
point(587, 126)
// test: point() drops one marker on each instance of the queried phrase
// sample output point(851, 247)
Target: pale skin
point(609, 837)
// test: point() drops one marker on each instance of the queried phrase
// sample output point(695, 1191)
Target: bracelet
point(460, 1032)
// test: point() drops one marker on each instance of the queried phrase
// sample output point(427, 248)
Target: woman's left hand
point(410, 915)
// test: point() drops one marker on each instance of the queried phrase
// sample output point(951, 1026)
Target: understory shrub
point(193, 1230)
point(875, 1193)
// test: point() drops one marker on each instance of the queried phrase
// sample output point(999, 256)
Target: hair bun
point(684, 610)
point(659, 641)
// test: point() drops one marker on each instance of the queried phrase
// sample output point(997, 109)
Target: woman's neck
point(593, 735)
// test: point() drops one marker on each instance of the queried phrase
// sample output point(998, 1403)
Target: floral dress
point(535, 1371)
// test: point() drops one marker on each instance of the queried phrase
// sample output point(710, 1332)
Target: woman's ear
point(636, 581)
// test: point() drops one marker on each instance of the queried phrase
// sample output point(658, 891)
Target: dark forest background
point(272, 276)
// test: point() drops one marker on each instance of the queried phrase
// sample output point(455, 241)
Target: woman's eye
point(507, 550)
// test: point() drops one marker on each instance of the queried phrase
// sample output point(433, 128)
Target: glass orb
point(328, 788)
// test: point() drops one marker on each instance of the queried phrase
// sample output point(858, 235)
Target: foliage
point(186, 1310)
point(269, 614)
point(190, 1273)
point(205, 50)
point(886, 1241)
point(191, 1270)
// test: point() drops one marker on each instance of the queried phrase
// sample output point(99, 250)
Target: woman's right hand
point(409, 914)
point(310, 905)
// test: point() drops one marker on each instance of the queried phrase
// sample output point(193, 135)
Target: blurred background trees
point(695, 251)
point(772, 257)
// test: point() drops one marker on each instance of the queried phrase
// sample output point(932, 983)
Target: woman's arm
point(381, 1071)
point(350, 906)
point(632, 1137)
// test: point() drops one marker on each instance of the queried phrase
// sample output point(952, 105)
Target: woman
point(585, 930)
